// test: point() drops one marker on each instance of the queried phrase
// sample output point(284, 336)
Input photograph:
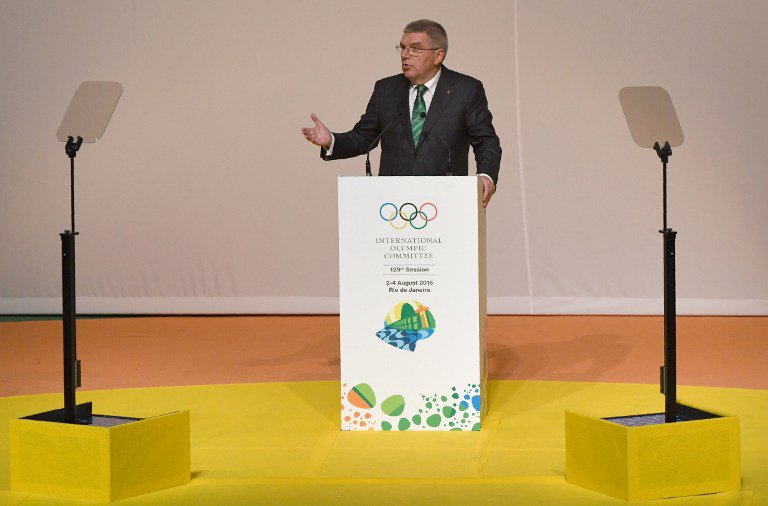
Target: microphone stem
point(371, 145)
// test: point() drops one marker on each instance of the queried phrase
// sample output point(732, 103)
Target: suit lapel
point(440, 100)
point(401, 99)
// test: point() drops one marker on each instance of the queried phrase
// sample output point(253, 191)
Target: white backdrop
point(204, 198)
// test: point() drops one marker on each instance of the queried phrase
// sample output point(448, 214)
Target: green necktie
point(417, 122)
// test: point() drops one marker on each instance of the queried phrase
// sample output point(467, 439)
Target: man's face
point(419, 68)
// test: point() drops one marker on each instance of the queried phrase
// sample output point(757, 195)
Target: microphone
point(449, 172)
point(375, 141)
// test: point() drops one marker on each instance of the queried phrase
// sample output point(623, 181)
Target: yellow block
point(657, 461)
point(89, 462)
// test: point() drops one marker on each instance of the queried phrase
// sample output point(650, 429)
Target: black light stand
point(69, 296)
point(669, 369)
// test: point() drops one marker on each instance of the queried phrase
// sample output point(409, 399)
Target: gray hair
point(434, 30)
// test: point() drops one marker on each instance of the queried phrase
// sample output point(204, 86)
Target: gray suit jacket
point(458, 117)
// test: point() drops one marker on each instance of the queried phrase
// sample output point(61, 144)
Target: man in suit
point(427, 117)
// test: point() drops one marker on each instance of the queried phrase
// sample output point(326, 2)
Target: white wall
point(203, 197)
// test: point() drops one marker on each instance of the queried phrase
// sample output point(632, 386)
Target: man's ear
point(440, 56)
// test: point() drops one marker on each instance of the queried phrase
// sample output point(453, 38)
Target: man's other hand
point(320, 135)
point(488, 190)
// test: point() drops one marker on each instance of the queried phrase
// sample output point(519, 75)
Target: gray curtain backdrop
point(203, 197)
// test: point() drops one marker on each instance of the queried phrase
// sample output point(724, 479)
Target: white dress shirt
point(431, 85)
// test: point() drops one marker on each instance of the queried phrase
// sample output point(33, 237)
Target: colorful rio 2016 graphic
point(408, 214)
point(406, 324)
point(451, 411)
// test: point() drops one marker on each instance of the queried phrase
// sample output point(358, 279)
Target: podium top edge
point(340, 176)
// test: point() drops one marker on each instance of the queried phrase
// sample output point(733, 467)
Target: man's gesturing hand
point(320, 135)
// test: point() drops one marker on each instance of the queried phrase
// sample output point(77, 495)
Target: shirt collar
point(431, 84)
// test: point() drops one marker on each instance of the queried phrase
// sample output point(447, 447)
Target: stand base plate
point(101, 457)
point(639, 457)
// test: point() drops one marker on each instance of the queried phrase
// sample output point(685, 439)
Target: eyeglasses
point(414, 51)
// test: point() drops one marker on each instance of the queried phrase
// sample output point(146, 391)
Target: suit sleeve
point(482, 136)
point(356, 141)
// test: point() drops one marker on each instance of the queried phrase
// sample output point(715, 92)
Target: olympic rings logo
point(408, 213)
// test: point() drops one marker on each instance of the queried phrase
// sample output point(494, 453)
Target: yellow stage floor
point(279, 443)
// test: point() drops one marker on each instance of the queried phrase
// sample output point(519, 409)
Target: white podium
point(412, 303)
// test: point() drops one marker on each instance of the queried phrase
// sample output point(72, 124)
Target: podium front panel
point(412, 303)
